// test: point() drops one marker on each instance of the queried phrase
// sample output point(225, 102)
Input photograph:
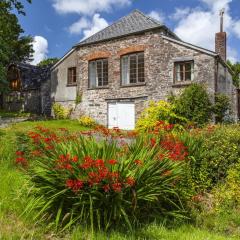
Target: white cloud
point(180, 13)
point(232, 54)
point(217, 5)
point(236, 28)
point(86, 27)
point(199, 25)
point(40, 47)
point(96, 25)
point(77, 27)
point(87, 7)
point(158, 16)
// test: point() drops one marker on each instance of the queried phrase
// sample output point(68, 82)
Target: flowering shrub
point(104, 183)
point(157, 111)
point(87, 121)
point(61, 112)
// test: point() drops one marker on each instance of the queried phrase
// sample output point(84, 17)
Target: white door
point(121, 115)
point(112, 115)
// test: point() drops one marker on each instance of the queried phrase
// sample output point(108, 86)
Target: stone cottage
point(29, 89)
point(117, 70)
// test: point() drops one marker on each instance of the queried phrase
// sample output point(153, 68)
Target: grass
point(13, 199)
point(6, 114)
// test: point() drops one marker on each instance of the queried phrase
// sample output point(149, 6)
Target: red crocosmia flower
point(69, 183)
point(153, 142)
point(19, 153)
point(112, 162)
point(21, 160)
point(113, 175)
point(130, 181)
point(62, 157)
point(47, 140)
point(99, 163)
point(74, 185)
point(75, 159)
point(103, 173)
point(93, 178)
point(106, 188)
point(88, 162)
point(68, 166)
point(168, 127)
point(85, 165)
point(138, 162)
point(117, 187)
point(49, 147)
point(176, 149)
point(160, 123)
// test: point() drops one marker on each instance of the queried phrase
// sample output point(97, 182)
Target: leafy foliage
point(236, 76)
point(221, 107)
point(61, 112)
point(194, 104)
point(87, 121)
point(213, 151)
point(48, 61)
point(158, 111)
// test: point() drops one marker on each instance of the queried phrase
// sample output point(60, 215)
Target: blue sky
point(59, 24)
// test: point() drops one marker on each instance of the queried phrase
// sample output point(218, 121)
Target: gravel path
point(5, 122)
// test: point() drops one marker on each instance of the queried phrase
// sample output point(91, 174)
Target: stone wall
point(225, 86)
point(159, 54)
point(27, 101)
point(46, 102)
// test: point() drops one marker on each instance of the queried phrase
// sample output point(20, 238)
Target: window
point(183, 71)
point(98, 73)
point(132, 69)
point(14, 78)
point(72, 76)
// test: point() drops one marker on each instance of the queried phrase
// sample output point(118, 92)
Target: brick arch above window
point(132, 49)
point(97, 55)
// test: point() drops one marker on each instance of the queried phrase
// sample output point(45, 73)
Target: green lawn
point(14, 187)
point(6, 114)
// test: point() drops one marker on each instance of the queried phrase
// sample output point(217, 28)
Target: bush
point(194, 104)
point(87, 121)
point(61, 112)
point(104, 183)
point(158, 111)
point(212, 152)
point(221, 107)
point(219, 210)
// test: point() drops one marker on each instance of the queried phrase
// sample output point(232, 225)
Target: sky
point(57, 25)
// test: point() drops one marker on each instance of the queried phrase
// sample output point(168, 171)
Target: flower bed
point(103, 183)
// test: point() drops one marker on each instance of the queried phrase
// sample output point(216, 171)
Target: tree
point(48, 61)
point(194, 104)
point(13, 46)
point(236, 70)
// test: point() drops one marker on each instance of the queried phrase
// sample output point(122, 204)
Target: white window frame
point(126, 67)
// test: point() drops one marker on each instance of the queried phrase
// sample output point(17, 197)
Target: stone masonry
point(159, 54)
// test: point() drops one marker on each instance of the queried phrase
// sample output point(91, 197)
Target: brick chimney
point(221, 39)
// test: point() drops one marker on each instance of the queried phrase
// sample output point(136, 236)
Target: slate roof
point(33, 76)
point(135, 22)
